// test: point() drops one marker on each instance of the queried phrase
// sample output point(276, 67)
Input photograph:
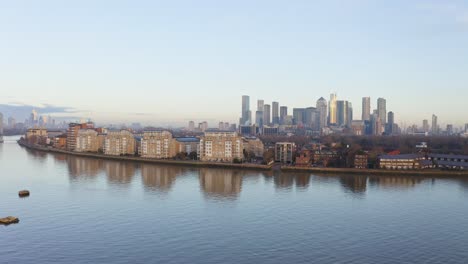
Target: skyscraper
point(312, 118)
point(425, 126)
point(382, 110)
point(298, 116)
point(366, 107)
point(342, 109)
point(332, 116)
point(283, 113)
point(266, 115)
point(390, 123)
point(1, 128)
point(275, 113)
point(259, 118)
point(322, 110)
point(435, 128)
point(466, 128)
point(349, 121)
point(260, 105)
point(246, 114)
point(191, 126)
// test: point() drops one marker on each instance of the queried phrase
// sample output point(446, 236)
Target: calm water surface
point(94, 211)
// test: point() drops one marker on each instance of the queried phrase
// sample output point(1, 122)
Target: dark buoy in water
point(23, 193)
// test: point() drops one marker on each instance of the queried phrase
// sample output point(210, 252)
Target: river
point(84, 210)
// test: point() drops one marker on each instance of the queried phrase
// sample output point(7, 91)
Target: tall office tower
point(366, 107)
point(191, 126)
point(466, 128)
point(449, 129)
point(382, 110)
point(342, 109)
point(332, 116)
point(283, 113)
point(435, 128)
point(275, 113)
point(260, 105)
point(389, 129)
point(246, 114)
point(298, 116)
point(1, 128)
point(350, 114)
point(312, 118)
point(266, 115)
point(11, 122)
point(259, 118)
point(322, 110)
point(376, 124)
point(425, 126)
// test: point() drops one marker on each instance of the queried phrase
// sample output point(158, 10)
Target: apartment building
point(87, 141)
point(157, 144)
point(221, 146)
point(284, 152)
point(119, 143)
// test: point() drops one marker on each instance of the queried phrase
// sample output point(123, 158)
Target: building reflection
point(160, 178)
point(79, 166)
point(354, 183)
point(287, 181)
point(395, 181)
point(119, 171)
point(220, 183)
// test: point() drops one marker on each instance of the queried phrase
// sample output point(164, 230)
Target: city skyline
point(156, 60)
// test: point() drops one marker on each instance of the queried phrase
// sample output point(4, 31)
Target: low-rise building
point(360, 161)
point(254, 145)
point(187, 144)
point(87, 141)
point(60, 141)
point(157, 144)
point(119, 143)
point(221, 146)
point(284, 152)
point(304, 158)
point(36, 136)
point(404, 162)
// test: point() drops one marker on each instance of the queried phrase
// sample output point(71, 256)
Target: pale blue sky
point(171, 61)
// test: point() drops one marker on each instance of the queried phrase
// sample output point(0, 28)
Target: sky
point(167, 62)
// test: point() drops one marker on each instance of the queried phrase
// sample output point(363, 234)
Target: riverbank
point(374, 172)
point(377, 172)
point(149, 160)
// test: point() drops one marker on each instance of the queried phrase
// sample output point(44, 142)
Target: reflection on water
point(159, 178)
point(219, 182)
point(354, 183)
point(399, 182)
point(222, 183)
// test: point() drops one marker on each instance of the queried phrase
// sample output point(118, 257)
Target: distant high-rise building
point(275, 113)
point(382, 110)
point(11, 122)
point(312, 118)
point(366, 108)
point(342, 111)
point(191, 126)
point(322, 110)
point(246, 114)
point(266, 115)
point(259, 118)
point(466, 128)
point(349, 121)
point(299, 116)
point(260, 105)
point(376, 125)
point(390, 123)
point(425, 126)
point(1, 128)
point(332, 115)
point(283, 113)
point(434, 128)
point(449, 129)
point(203, 126)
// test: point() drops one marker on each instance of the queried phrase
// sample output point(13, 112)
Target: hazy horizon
point(171, 62)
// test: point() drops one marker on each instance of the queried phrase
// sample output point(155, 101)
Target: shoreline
point(375, 172)
point(150, 160)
